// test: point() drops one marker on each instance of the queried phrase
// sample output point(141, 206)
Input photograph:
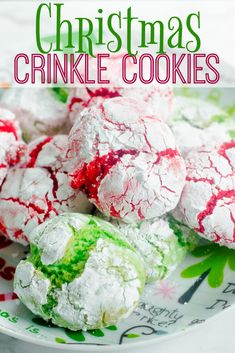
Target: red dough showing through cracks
point(90, 175)
point(211, 206)
point(8, 127)
point(208, 200)
point(125, 160)
point(35, 152)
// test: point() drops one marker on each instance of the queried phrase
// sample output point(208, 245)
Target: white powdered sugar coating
point(156, 243)
point(207, 202)
point(189, 137)
point(75, 220)
point(88, 301)
point(12, 148)
point(31, 287)
point(143, 174)
point(46, 152)
point(30, 196)
point(39, 189)
point(53, 244)
point(52, 236)
point(102, 287)
point(37, 110)
point(197, 112)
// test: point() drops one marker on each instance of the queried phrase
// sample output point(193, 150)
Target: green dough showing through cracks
point(77, 252)
point(162, 243)
point(81, 273)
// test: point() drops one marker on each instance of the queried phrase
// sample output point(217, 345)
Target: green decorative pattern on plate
point(216, 259)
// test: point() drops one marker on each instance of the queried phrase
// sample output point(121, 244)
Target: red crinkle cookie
point(38, 190)
point(208, 200)
point(125, 161)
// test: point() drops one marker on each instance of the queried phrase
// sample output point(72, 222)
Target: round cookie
point(197, 112)
point(30, 196)
point(162, 243)
point(38, 111)
point(125, 161)
point(207, 203)
point(38, 189)
point(189, 137)
point(80, 275)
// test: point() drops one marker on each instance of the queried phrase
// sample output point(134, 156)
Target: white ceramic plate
point(187, 298)
point(190, 296)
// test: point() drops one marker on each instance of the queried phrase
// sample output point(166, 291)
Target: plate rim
point(110, 347)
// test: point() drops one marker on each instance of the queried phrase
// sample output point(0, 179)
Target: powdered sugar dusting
point(31, 287)
point(207, 202)
point(126, 162)
point(88, 301)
